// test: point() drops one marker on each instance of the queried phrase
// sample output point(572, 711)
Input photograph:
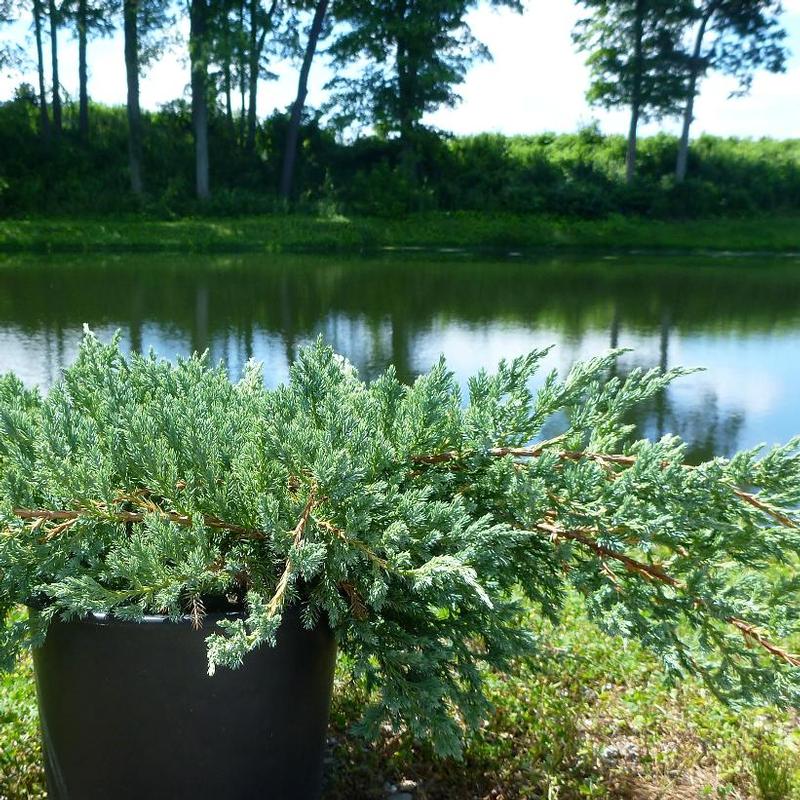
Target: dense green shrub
point(422, 528)
point(569, 175)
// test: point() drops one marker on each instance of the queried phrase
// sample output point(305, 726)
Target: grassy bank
point(437, 230)
point(591, 718)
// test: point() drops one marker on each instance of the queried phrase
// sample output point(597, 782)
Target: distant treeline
point(570, 175)
point(392, 63)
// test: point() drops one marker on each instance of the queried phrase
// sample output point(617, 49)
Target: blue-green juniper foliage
point(422, 525)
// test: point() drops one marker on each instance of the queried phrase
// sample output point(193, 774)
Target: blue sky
point(536, 81)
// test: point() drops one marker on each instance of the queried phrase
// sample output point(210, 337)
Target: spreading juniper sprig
point(424, 527)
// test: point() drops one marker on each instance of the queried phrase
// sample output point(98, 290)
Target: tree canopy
point(393, 64)
point(414, 53)
point(733, 37)
point(635, 59)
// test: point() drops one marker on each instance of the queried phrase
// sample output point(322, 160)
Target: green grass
point(468, 230)
point(588, 718)
point(21, 773)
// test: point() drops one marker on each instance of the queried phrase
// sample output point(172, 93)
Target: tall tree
point(83, 72)
point(239, 38)
point(44, 117)
point(55, 20)
point(416, 52)
point(227, 47)
point(735, 37)
point(295, 117)
point(198, 55)
point(241, 69)
point(637, 82)
point(635, 60)
point(143, 24)
point(130, 24)
point(262, 20)
point(228, 50)
point(88, 18)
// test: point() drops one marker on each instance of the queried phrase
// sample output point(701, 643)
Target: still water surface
point(738, 317)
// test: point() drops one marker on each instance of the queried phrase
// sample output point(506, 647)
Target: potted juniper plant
point(193, 552)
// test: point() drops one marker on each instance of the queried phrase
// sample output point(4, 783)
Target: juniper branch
point(526, 453)
point(136, 485)
point(656, 572)
point(277, 600)
point(101, 511)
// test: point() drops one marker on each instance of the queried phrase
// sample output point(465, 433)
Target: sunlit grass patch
point(21, 773)
point(331, 231)
point(588, 717)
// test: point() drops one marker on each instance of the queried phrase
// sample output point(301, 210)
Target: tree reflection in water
point(406, 309)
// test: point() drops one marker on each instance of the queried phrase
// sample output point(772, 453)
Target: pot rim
point(106, 618)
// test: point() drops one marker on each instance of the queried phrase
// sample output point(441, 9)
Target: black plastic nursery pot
point(128, 712)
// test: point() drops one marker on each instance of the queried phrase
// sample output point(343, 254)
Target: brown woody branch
point(325, 525)
point(276, 603)
point(753, 634)
point(765, 508)
point(606, 459)
point(498, 452)
point(133, 517)
point(655, 572)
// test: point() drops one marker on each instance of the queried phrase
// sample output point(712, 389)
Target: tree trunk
point(407, 94)
point(257, 39)
point(228, 101)
point(636, 93)
point(243, 112)
point(83, 92)
point(682, 163)
point(407, 77)
point(227, 62)
point(242, 74)
point(630, 153)
point(44, 118)
point(293, 131)
point(199, 65)
point(131, 26)
point(53, 13)
point(253, 64)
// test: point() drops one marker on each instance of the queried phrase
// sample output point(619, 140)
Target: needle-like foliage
point(421, 525)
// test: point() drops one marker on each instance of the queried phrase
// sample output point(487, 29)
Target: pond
point(737, 316)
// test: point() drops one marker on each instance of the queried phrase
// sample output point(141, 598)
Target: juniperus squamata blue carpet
point(423, 526)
